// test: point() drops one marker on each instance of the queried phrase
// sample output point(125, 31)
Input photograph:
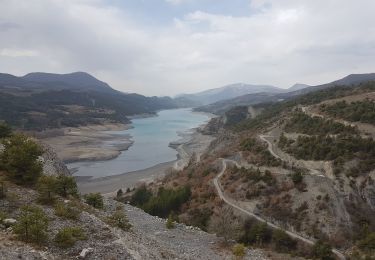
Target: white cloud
point(18, 53)
point(280, 43)
point(176, 2)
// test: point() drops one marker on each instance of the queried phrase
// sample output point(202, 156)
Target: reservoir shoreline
point(190, 143)
point(108, 185)
point(87, 143)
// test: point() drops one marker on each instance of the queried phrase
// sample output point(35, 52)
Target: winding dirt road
point(222, 196)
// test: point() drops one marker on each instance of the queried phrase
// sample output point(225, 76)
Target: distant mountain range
point(222, 106)
point(297, 86)
point(45, 100)
point(40, 81)
point(228, 92)
point(38, 101)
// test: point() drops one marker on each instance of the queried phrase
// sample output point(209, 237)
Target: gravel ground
point(182, 242)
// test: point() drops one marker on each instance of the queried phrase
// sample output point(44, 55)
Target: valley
point(288, 177)
point(187, 130)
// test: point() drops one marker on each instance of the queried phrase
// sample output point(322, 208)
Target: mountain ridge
point(229, 91)
point(38, 101)
point(251, 99)
point(78, 81)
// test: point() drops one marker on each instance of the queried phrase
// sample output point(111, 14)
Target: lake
point(151, 137)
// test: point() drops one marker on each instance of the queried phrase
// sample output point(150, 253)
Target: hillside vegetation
point(41, 101)
point(359, 111)
point(42, 216)
point(309, 174)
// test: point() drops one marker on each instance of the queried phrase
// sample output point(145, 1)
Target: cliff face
point(52, 165)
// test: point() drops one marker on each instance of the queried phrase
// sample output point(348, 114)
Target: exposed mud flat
point(88, 143)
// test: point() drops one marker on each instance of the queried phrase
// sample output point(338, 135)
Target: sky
point(168, 47)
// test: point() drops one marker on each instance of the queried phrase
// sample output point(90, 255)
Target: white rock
point(9, 221)
point(85, 252)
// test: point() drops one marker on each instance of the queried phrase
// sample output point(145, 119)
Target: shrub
point(167, 200)
point(322, 250)
point(141, 196)
point(20, 159)
point(67, 210)
point(32, 225)
point(119, 193)
point(46, 187)
point(282, 241)
point(367, 243)
point(5, 130)
point(257, 233)
point(120, 220)
point(200, 217)
point(239, 250)
point(95, 200)
point(297, 177)
point(66, 185)
point(170, 223)
point(3, 216)
point(67, 237)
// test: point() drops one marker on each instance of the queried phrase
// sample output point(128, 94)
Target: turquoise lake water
point(151, 138)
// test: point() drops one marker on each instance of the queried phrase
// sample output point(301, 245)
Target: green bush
point(95, 200)
point(163, 203)
point(20, 159)
point(256, 233)
point(199, 217)
point(120, 220)
point(5, 130)
point(67, 210)
point(297, 177)
point(141, 196)
point(119, 193)
point(322, 250)
point(170, 223)
point(166, 201)
point(282, 241)
point(68, 236)
point(66, 186)
point(46, 187)
point(32, 225)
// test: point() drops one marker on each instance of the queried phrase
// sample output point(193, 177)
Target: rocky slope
point(148, 237)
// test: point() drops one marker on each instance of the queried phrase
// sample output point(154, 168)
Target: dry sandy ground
point(88, 143)
point(110, 184)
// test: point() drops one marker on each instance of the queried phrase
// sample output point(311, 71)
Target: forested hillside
point(40, 101)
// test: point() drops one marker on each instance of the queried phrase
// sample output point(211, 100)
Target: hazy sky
point(165, 47)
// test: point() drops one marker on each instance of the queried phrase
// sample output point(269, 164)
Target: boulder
point(9, 221)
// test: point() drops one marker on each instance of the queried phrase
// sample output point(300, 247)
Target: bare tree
point(224, 223)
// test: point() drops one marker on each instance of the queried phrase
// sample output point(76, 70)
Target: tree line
point(358, 111)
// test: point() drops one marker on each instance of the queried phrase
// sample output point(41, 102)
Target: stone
point(85, 252)
point(9, 221)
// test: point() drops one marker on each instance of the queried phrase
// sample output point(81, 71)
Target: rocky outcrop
point(52, 165)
